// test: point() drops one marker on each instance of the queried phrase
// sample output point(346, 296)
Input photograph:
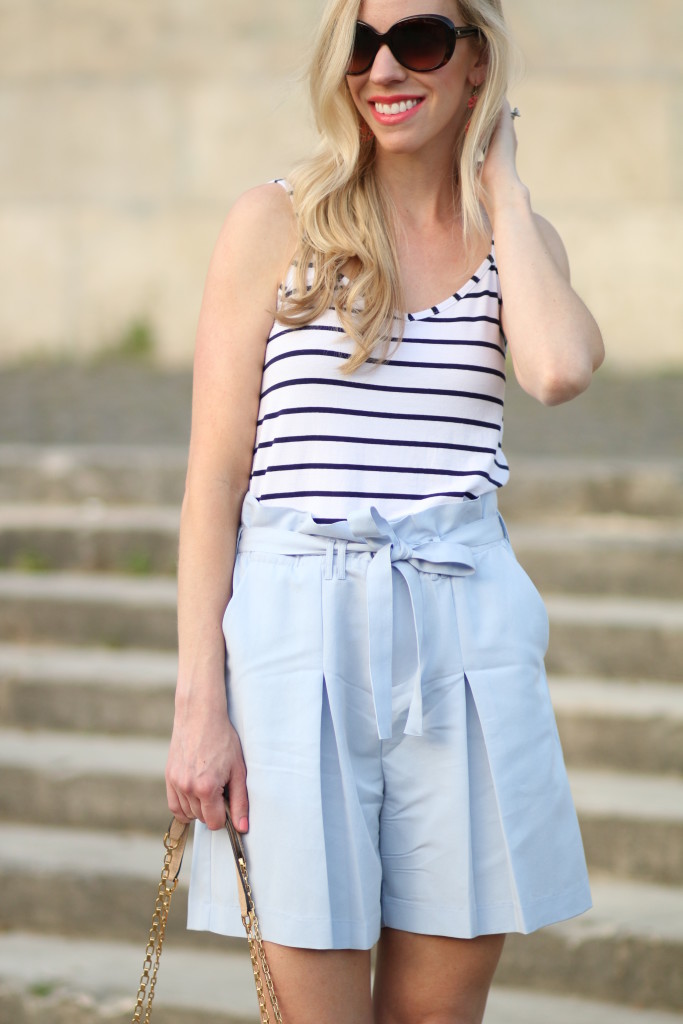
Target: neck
point(422, 191)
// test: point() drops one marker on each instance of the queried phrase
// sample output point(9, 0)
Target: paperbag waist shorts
point(403, 763)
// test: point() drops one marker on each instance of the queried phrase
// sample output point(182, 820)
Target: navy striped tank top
point(421, 428)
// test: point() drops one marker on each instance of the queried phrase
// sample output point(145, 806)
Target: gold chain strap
point(174, 846)
point(150, 967)
point(257, 953)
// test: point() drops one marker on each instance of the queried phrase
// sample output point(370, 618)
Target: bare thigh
point(427, 979)
point(329, 986)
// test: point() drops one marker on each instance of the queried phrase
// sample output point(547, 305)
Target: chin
point(398, 145)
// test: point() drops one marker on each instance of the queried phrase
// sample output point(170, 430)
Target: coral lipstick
point(389, 110)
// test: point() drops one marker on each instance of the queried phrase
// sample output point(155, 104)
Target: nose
point(386, 68)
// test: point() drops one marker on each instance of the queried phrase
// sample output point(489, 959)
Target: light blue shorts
point(403, 763)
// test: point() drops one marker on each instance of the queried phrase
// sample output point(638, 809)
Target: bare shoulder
point(259, 233)
point(254, 248)
point(552, 239)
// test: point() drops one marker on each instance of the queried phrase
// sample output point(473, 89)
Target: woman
point(384, 650)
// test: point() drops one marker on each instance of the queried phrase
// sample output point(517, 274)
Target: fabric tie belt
point(406, 547)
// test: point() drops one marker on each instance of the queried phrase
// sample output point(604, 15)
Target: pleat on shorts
point(459, 822)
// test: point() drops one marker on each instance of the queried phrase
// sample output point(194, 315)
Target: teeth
point(396, 108)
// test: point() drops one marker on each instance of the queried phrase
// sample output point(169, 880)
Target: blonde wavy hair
point(341, 208)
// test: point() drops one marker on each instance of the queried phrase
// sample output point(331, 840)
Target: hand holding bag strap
point(174, 845)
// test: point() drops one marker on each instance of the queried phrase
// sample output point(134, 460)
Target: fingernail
point(243, 825)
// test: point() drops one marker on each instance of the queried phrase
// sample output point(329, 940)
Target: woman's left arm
point(554, 342)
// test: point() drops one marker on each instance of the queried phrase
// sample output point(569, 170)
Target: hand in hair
point(499, 178)
point(553, 340)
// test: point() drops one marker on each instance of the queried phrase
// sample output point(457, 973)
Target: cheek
point(354, 92)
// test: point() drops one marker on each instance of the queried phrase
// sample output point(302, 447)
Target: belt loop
point(503, 527)
point(329, 559)
point(341, 559)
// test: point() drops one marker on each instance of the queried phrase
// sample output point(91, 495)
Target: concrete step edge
point(640, 700)
point(103, 665)
point(64, 756)
point(59, 459)
point(99, 588)
point(89, 515)
point(599, 529)
point(62, 455)
point(622, 907)
point(105, 975)
point(586, 610)
point(68, 665)
point(593, 529)
point(96, 666)
point(622, 612)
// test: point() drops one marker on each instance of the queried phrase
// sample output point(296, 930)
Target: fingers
point(208, 805)
point(178, 805)
point(238, 801)
point(204, 761)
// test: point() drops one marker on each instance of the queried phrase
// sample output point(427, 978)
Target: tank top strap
point(286, 185)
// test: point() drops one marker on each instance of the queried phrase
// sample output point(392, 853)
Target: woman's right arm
point(253, 250)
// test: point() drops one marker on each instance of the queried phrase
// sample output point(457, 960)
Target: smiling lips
point(394, 109)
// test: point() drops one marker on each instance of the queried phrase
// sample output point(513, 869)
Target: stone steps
point(95, 982)
point(81, 608)
point(630, 637)
point(87, 670)
point(634, 725)
point(88, 982)
point(629, 948)
point(87, 689)
point(90, 537)
point(155, 475)
point(113, 474)
point(632, 824)
point(87, 883)
point(610, 554)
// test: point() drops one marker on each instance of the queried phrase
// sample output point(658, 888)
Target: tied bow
point(437, 555)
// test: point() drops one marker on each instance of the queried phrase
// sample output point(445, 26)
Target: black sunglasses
point(422, 43)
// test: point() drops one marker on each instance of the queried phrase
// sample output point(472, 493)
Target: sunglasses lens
point(364, 50)
point(420, 44)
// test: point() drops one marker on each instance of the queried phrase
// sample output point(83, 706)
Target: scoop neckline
point(451, 299)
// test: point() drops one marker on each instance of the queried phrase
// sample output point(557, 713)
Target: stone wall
point(128, 128)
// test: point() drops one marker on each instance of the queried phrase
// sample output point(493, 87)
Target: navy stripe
point(374, 414)
point(277, 495)
point(479, 295)
point(463, 342)
point(460, 320)
point(417, 363)
point(439, 366)
point(355, 468)
point(306, 352)
point(304, 327)
point(387, 389)
point(392, 442)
